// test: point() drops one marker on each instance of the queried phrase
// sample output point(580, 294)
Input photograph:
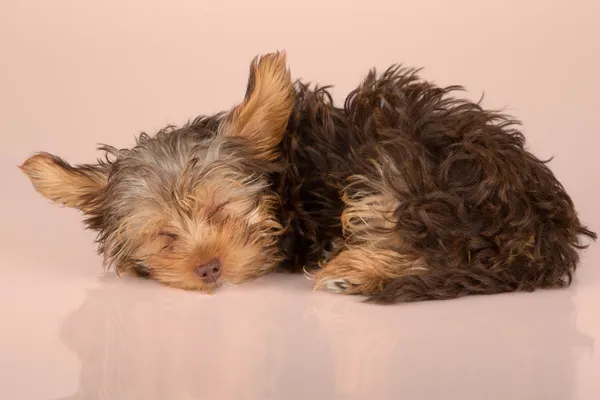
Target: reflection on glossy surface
point(271, 339)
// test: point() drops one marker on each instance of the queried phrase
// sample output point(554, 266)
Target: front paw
point(334, 284)
point(338, 285)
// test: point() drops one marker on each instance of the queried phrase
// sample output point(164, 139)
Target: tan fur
point(240, 234)
point(369, 219)
point(263, 115)
point(366, 269)
point(219, 219)
point(63, 184)
point(373, 253)
point(242, 256)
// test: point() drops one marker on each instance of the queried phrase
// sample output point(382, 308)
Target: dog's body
point(405, 193)
point(408, 193)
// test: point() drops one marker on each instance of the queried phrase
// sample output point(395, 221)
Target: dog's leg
point(365, 270)
point(373, 253)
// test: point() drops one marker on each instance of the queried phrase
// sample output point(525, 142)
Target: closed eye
point(168, 239)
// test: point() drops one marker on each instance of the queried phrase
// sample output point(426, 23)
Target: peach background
point(74, 73)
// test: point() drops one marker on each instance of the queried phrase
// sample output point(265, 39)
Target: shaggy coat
point(410, 193)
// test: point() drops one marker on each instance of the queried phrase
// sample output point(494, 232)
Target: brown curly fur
point(409, 193)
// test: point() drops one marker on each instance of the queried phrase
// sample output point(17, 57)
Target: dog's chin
point(187, 283)
point(195, 286)
point(210, 288)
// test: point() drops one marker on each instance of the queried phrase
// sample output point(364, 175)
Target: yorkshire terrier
point(405, 193)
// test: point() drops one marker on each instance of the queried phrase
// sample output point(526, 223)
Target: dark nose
point(209, 272)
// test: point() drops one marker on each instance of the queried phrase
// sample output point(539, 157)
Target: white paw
point(337, 285)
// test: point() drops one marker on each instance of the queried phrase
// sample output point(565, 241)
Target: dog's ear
point(263, 115)
point(72, 186)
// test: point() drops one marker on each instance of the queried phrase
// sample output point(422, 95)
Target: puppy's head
point(189, 207)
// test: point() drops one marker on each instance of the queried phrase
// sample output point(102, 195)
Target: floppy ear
point(263, 115)
point(62, 183)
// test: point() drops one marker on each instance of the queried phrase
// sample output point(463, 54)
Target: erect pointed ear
point(263, 115)
point(62, 183)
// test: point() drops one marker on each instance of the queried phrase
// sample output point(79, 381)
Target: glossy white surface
point(110, 338)
point(77, 73)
